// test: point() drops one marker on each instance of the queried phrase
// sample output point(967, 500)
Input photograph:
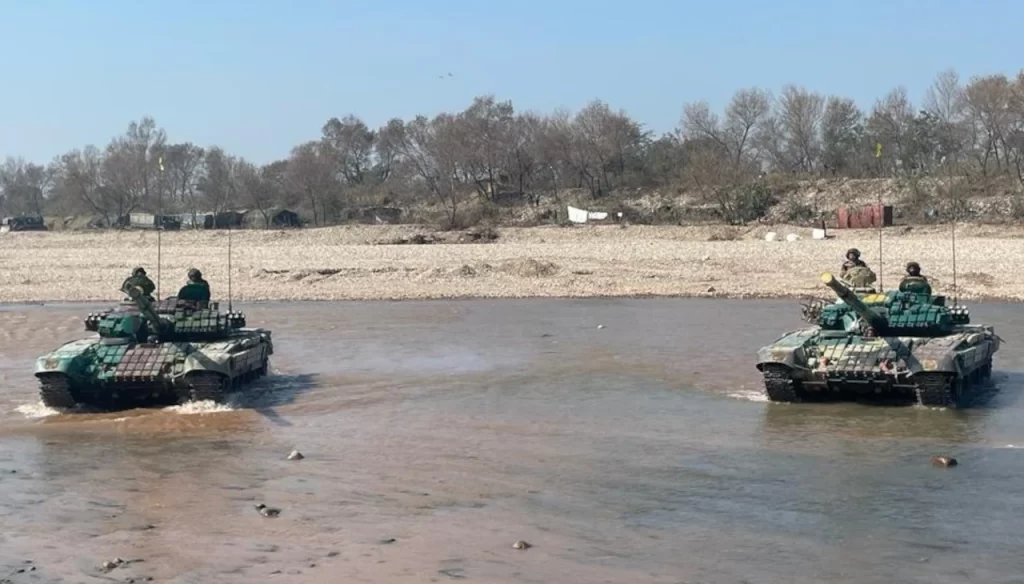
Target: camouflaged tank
point(171, 351)
point(881, 343)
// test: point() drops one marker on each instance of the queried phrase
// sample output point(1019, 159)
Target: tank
point(908, 344)
point(148, 352)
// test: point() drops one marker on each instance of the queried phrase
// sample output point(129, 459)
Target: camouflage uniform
point(860, 276)
point(141, 280)
point(852, 261)
point(197, 289)
point(914, 281)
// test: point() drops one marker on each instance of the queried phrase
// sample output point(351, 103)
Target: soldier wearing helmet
point(914, 281)
point(197, 289)
point(852, 261)
point(140, 280)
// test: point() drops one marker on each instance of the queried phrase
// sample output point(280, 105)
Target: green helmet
point(139, 271)
point(194, 274)
point(853, 252)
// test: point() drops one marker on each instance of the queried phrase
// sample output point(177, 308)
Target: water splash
point(200, 407)
point(36, 411)
point(749, 395)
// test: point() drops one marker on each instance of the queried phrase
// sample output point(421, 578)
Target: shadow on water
point(857, 422)
point(867, 419)
point(274, 391)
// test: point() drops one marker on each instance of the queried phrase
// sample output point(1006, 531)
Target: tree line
point(489, 150)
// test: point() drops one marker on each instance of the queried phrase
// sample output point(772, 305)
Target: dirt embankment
point(390, 262)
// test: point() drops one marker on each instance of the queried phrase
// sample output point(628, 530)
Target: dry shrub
point(528, 268)
point(981, 278)
point(725, 234)
point(417, 239)
point(479, 235)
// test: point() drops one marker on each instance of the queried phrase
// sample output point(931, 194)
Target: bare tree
point(432, 148)
point(23, 186)
point(311, 172)
point(183, 167)
point(799, 114)
point(350, 143)
point(219, 183)
point(840, 135)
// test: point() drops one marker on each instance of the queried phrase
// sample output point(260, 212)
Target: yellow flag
point(878, 150)
point(160, 161)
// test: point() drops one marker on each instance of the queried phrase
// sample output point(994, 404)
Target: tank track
point(779, 386)
point(940, 389)
point(203, 386)
point(949, 390)
point(55, 391)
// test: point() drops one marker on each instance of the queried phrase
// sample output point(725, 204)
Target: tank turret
point(871, 317)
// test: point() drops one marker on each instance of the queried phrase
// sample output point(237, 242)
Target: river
point(626, 440)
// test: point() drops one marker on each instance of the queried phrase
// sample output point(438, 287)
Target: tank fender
point(788, 350)
point(69, 359)
point(930, 362)
point(54, 364)
point(199, 361)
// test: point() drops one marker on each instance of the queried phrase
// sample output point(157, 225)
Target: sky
point(259, 77)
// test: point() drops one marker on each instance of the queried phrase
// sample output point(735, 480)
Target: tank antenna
point(159, 220)
point(956, 290)
point(881, 270)
point(229, 265)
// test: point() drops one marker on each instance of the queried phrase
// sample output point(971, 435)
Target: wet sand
point(642, 451)
point(357, 262)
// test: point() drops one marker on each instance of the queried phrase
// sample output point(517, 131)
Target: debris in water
point(387, 540)
point(600, 326)
point(944, 461)
point(295, 455)
point(267, 511)
point(111, 564)
point(521, 545)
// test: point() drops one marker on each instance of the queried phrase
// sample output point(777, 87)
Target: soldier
point(914, 281)
point(140, 279)
point(852, 261)
point(197, 289)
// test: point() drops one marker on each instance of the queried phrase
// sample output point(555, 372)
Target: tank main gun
point(871, 317)
point(145, 307)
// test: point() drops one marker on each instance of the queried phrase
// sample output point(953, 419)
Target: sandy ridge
point(355, 262)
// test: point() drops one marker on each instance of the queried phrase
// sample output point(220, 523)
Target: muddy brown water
point(638, 452)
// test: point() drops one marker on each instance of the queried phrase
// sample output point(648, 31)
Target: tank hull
point(936, 371)
point(113, 373)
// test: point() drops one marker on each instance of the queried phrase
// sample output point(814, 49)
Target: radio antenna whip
point(159, 220)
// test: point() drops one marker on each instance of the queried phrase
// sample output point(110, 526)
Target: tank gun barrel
point(145, 306)
point(846, 295)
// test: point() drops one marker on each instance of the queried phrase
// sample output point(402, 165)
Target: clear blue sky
point(259, 77)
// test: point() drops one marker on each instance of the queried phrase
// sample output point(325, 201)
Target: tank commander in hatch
point(197, 289)
point(852, 261)
point(141, 280)
point(914, 281)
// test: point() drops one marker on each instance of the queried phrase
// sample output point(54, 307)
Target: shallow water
point(642, 451)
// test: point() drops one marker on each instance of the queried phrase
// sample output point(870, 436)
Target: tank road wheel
point(55, 391)
point(779, 386)
point(941, 390)
point(205, 385)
